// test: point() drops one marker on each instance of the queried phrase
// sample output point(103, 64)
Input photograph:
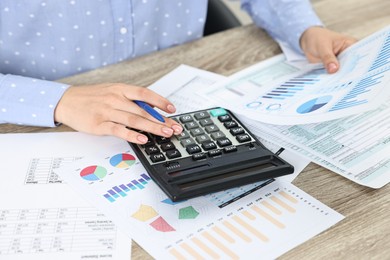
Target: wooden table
point(365, 232)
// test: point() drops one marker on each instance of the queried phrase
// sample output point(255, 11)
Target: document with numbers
point(41, 217)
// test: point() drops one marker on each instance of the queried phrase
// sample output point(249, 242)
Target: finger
point(140, 123)
point(110, 128)
point(328, 58)
point(131, 107)
point(150, 97)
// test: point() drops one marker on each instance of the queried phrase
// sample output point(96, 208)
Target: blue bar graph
point(122, 189)
point(293, 86)
point(365, 85)
point(383, 57)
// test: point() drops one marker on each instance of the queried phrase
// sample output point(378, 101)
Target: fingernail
point(143, 139)
point(171, 108)
point(167, 131)
point(178, 129)
point(332, 67)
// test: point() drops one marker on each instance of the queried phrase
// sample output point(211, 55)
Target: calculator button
point(161, 139)
point(230, 124)
point(201, 115)
point(211, 129)
point(167, 146)
point(206, 122)
point(217, 135)
point(230, 149)
point(171, 154)
point(218, 112)
point(199, 156)
point(224, 118)
point(209, 145)
point(222, 142)
point(186, 118)
point(202, 138)
point(187, 141)
point(152, 150)
point(157, 157)
point(182, 135)
point(237, 130)
point(193, 148)
point(216, 152)
point(196, 131)
point(243, 138)
point(191, 125)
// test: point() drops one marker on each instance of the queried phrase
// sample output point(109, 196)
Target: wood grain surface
point(365, 232)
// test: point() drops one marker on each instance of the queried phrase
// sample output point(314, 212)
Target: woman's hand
point(323, 45)
point(108, 109)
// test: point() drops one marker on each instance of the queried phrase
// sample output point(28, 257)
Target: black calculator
point(214, 152)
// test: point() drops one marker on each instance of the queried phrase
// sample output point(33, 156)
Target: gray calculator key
point(191, 125)
point(167, 146)
point(211, 129)
point(186, 118)
point(217, 135)
point(171, 154)
point(222, 142)
point(206, 122)
point(202, 138)
point(186, 142)
point(237, 131)
point(199, 156)
point(152, 149)
point(243, 138)
point(202, 115)
point(196, 131)
point(182, 135)
point(157, 157)
point(230, 124)
point(209, 145)
point(193, 148)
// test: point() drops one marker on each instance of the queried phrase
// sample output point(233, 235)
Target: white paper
point(298, 94)
point(41, 217)
point(183, 84)
point(253, 223)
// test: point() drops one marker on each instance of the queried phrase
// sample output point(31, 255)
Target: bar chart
point(121, 190)
point(258, 227)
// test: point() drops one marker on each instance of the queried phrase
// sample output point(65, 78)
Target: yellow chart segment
point(144, 213)
point(218, 241)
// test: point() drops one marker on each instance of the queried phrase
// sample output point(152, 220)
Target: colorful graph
point(217, 241)
point(122, 160)
point(93, 173)
point(121, 190)
point(161, 225)
point(313, 105)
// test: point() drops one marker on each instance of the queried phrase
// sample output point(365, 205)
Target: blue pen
point(150, 110)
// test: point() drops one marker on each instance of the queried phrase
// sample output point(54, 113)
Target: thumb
point(329, 59)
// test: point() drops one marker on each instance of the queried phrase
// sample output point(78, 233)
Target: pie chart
point(313, 105)
point(93, 173)
point(122, 160)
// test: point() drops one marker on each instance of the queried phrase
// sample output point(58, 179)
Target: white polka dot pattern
point(48, 40)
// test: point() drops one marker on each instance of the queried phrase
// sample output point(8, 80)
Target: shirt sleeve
point(29, 101)
point(284, 20)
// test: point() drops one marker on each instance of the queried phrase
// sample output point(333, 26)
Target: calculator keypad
point(206, 134)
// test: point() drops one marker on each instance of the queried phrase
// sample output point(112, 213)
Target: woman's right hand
point(108, 109)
